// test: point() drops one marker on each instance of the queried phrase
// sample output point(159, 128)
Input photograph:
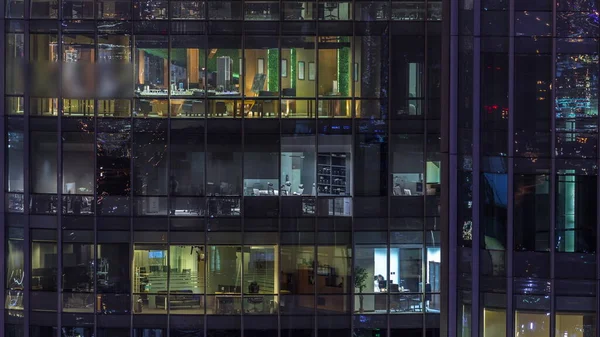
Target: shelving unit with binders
point(332, 174)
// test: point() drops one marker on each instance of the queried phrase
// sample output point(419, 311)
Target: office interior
point(226, 279)
point(191, 77)
point(398, 278)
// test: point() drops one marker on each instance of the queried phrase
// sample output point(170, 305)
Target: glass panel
point(78, 270)
point(575, 324)
point(261, 72)
point(78, 9)
point(113, 161)
point(113, 271)
point(43, 158)
point(298, 11)
point(152, 67)
point(370, 274)
point(260, 274)
point(113, 9)
point(224, 66)
point(261, 164)
point(15, 269)
point(532, 221)
point(150, 281)
point(335, 11)
point(494, 323)
point(78, 73)
point(151, 10)
point(187, 279)
point(296, 54)
point(15, 155)
point(335, 66)
point(224, 10)
point(224, 272)
point(224, 165)
point(78, 152)
point(261, 10)
point(43, 56)
point(188, 10)
point(298, 165)
point(297, 270)
point(15, 63)
point(532, 324)
point(575, 226)
point(407, 165)
point(188, 66)
point(44, 261)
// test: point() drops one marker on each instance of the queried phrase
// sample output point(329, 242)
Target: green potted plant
point(360, 282)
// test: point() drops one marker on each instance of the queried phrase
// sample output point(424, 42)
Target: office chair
point(254, 288)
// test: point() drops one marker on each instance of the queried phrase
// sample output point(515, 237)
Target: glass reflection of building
point(221, 168)
point(526, 150)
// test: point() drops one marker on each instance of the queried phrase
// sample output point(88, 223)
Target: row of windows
point(256, 278)
point(190, 69)
point(229, 10)
point(190, 162)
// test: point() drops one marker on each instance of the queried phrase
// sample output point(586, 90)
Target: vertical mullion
point(3, 171)
point(553, 173)
point(510, 190)
point(59, 183)
point(26, 186)
point(476, 243)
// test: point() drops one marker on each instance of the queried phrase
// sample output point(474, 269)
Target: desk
point(225, 303)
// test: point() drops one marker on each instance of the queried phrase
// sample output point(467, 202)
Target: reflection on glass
point(261, 10)
point(531, 218)
point(532, 324)
point(575, 230)
point(575, 324)
point(224, 165)
point(296, 11)
point(152, 67)
point(15, 158)
point(78, 270)
point(113, 9)
point(225, 10)
point(14, 269)
point(15, 63)
point(44, 260)
point(78, 151)
point(188, 10)
point(113, 270)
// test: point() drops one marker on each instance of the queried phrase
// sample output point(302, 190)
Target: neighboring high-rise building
point(233, 168)
point(523, 166)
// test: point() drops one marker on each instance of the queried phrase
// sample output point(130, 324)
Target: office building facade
point(523, 186)
point(222, 168)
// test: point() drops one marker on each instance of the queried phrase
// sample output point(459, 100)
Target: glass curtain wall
point(178, 168)
point(526, 147)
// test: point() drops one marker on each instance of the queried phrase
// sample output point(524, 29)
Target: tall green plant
point(293, 68)
point(273, 70)
point(343, 68)
point(360, 282)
